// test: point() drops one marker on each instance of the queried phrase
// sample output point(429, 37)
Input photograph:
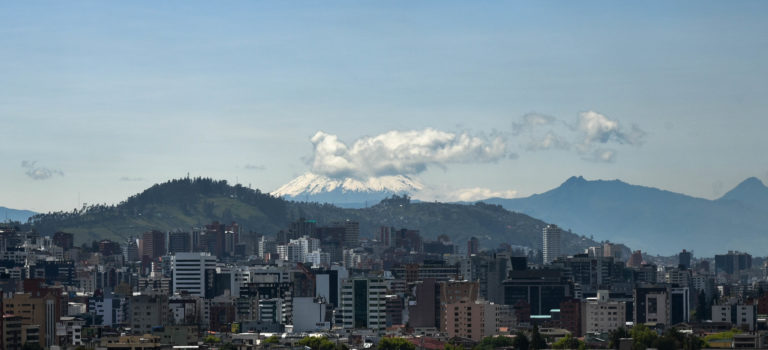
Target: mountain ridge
point(648, 218)
point(185, 203)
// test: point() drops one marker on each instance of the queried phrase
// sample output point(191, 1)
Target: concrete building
point(739, 315)
point(109, 309)
point(189, 271)
point(309, 315)
point(40, 309)
point(602, 315)
point(153, 245)
point(363, 303)
point(550, 247)
point(11, 331)
point(147, 311)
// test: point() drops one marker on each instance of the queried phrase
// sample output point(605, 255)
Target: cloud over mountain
point(38, 172)
point(588, 137)
point(401, 152)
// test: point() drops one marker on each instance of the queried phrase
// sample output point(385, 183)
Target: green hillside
point(185, 203)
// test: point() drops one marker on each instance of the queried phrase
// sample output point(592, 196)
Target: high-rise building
point(733, 262)
point(351, 233)
point(190, 271)
point(636, 259)
point(153, 245)
point(179, 242)
point(473, 246)
point(542, 290)
point(131, 250)
point(684, 259)
point(64, 240)
point(550, 243)
point(363, 303)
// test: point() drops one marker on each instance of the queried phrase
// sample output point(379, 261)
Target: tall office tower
point(351, 233)
point(550, 243)
point(131, 250)
point(684, 259)
point(363, 303)
point(473, 246)
point(189, 272)
point(179, 242)
point(153, 244)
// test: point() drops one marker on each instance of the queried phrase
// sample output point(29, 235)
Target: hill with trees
point(182, 204)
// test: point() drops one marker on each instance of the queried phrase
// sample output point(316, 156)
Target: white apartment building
point(189, 272)
point(602, 314)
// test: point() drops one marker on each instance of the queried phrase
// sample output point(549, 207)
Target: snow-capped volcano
point(348, 191)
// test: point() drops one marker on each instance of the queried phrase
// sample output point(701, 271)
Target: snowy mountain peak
point(311, 184)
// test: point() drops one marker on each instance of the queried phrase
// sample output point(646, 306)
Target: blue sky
point(102, 99)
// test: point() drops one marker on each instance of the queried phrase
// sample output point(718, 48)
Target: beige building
point(602, 315)
point(39, 313)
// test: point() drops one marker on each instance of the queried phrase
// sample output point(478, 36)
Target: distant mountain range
point(8, 214)
point(347, 192)
point(655, 220)
point(186, 203)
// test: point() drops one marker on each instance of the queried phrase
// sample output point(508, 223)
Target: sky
point(100, 100)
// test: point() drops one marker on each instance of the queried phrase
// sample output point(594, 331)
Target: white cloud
point(478, 193)
point(443, 194)
point(601, 155)
point(588, 137)
point(597, 128)
point(532, 121)
point(549, 141)
point(37, 172)
point(401, 152)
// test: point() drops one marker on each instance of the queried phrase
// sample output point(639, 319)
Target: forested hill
point(185, 203)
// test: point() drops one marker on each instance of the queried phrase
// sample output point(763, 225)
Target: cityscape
point(383, 175)
point(220, 286)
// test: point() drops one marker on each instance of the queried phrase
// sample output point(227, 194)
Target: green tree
point(521, 341)
point(449, 346)
point(642, 337)
point(537, 341)
point(227, 346)
point(271, 340)
point(393, 343)
point(616, 335)
point(568, 342)
point(211, 340)
point(489, 343)
point(319, 343)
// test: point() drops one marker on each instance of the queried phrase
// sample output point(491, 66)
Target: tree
point(489, 343)
point(393, 343)
point(642, 337)
point(537, 341)
point(616, 335)
point(227, 346)
point(449, 346)
point(271, 340)
point(319, 343)
point(521, 341)
point(211, 339)
point(568, 342)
